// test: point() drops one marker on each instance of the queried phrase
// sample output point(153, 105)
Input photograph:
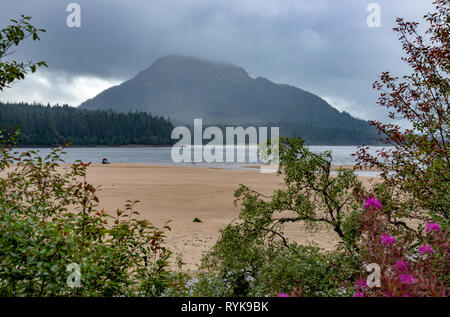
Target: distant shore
point(156, 146)
point(130, 146)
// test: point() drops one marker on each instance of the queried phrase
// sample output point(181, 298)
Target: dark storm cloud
point(323, 46)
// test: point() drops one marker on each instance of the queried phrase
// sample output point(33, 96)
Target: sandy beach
point(181, 194)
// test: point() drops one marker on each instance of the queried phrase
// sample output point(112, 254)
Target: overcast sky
point(323, 46)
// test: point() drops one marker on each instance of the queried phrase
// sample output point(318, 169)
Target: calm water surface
point(342, 155)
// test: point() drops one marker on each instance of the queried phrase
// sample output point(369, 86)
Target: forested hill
point(50, 126)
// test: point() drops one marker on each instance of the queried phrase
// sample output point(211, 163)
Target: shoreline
point(127, 146)
point(245, 166)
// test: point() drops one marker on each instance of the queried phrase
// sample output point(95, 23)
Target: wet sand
point(181, 194)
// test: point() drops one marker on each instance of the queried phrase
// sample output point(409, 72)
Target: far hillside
point(50, 126)
point(183, 88)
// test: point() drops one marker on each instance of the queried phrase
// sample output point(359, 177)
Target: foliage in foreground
point(253, 255)
point(49, 220)
point(407, 234)
point(10, 38)
point(413, 264)
point(416, 170)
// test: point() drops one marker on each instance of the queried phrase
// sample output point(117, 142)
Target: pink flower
point(425, 249)
point(358, 294)
point(361, 283)
point(283, 295)
point(407, 279)
point(387, 240)
point(372, 202)
point(401, 265)
point(433, 227)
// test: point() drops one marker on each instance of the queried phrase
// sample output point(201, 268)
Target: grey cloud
point(323, 46)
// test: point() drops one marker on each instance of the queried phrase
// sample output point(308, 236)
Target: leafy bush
point(415, 171)
point(420, 269)
point(49, 219)
point(54, 241)
point(307, 270)
point(10, 38)
point(253, 256)
point(407, 236)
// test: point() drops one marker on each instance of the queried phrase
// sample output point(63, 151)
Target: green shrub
point(253, 256)
point(49, 219)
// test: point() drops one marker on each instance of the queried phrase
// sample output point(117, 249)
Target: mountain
point(183, 88)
